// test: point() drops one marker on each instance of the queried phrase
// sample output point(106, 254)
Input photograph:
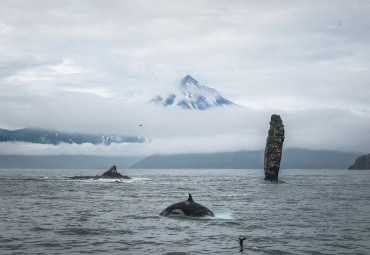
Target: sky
point(93, 66)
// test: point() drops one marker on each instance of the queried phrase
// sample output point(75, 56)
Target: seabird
point(241, 240)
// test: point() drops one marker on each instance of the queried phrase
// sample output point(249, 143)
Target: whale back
point(187, 208)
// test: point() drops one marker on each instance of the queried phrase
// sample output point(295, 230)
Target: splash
point(223, 215)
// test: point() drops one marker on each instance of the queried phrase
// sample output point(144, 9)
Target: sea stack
point(274, 148)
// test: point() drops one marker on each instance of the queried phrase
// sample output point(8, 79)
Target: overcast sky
point(92, 66)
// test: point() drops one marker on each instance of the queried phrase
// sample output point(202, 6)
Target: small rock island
point(274, 148)
point(110, 174)
point(362, 163)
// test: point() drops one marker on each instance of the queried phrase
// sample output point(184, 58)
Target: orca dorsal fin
point(190, 199)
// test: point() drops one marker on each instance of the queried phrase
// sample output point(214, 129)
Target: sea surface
point(306, 212)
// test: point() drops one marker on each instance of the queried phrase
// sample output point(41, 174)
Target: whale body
point(187, 208)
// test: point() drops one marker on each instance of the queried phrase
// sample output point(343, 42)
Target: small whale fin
point(190, 199)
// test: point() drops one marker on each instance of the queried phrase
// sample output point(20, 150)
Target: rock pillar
point(274, 147)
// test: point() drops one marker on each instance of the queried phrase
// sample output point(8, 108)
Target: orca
point(187, 208)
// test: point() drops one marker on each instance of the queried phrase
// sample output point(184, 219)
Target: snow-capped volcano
point(194, 96)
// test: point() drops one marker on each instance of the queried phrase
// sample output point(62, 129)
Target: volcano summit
point(193, 96)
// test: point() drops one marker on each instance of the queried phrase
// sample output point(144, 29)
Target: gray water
point(306, 212)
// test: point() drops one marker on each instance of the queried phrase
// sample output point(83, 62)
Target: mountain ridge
point(291, 159)
point(49, 136)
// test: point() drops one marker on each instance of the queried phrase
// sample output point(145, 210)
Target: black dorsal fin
point(190, 199)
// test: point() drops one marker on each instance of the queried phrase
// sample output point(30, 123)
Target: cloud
point(91, 66)
point(47, 72)
point(174, 131)
point(162, 145)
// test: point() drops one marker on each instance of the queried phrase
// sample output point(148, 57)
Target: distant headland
point(362, 163)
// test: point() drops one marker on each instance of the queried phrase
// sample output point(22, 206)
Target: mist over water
point(307, 212)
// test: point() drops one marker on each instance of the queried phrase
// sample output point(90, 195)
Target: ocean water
point(306, 212)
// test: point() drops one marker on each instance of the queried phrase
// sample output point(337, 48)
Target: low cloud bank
point(175, 131)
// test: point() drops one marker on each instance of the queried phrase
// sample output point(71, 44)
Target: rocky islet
point(112, 173)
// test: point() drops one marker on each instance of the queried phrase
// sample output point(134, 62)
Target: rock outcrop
point(274, 147)
point(112, 173)
point(362, 163)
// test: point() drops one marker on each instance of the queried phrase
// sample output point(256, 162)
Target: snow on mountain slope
point(193, 96)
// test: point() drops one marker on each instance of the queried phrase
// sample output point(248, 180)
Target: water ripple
point(308, 212)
